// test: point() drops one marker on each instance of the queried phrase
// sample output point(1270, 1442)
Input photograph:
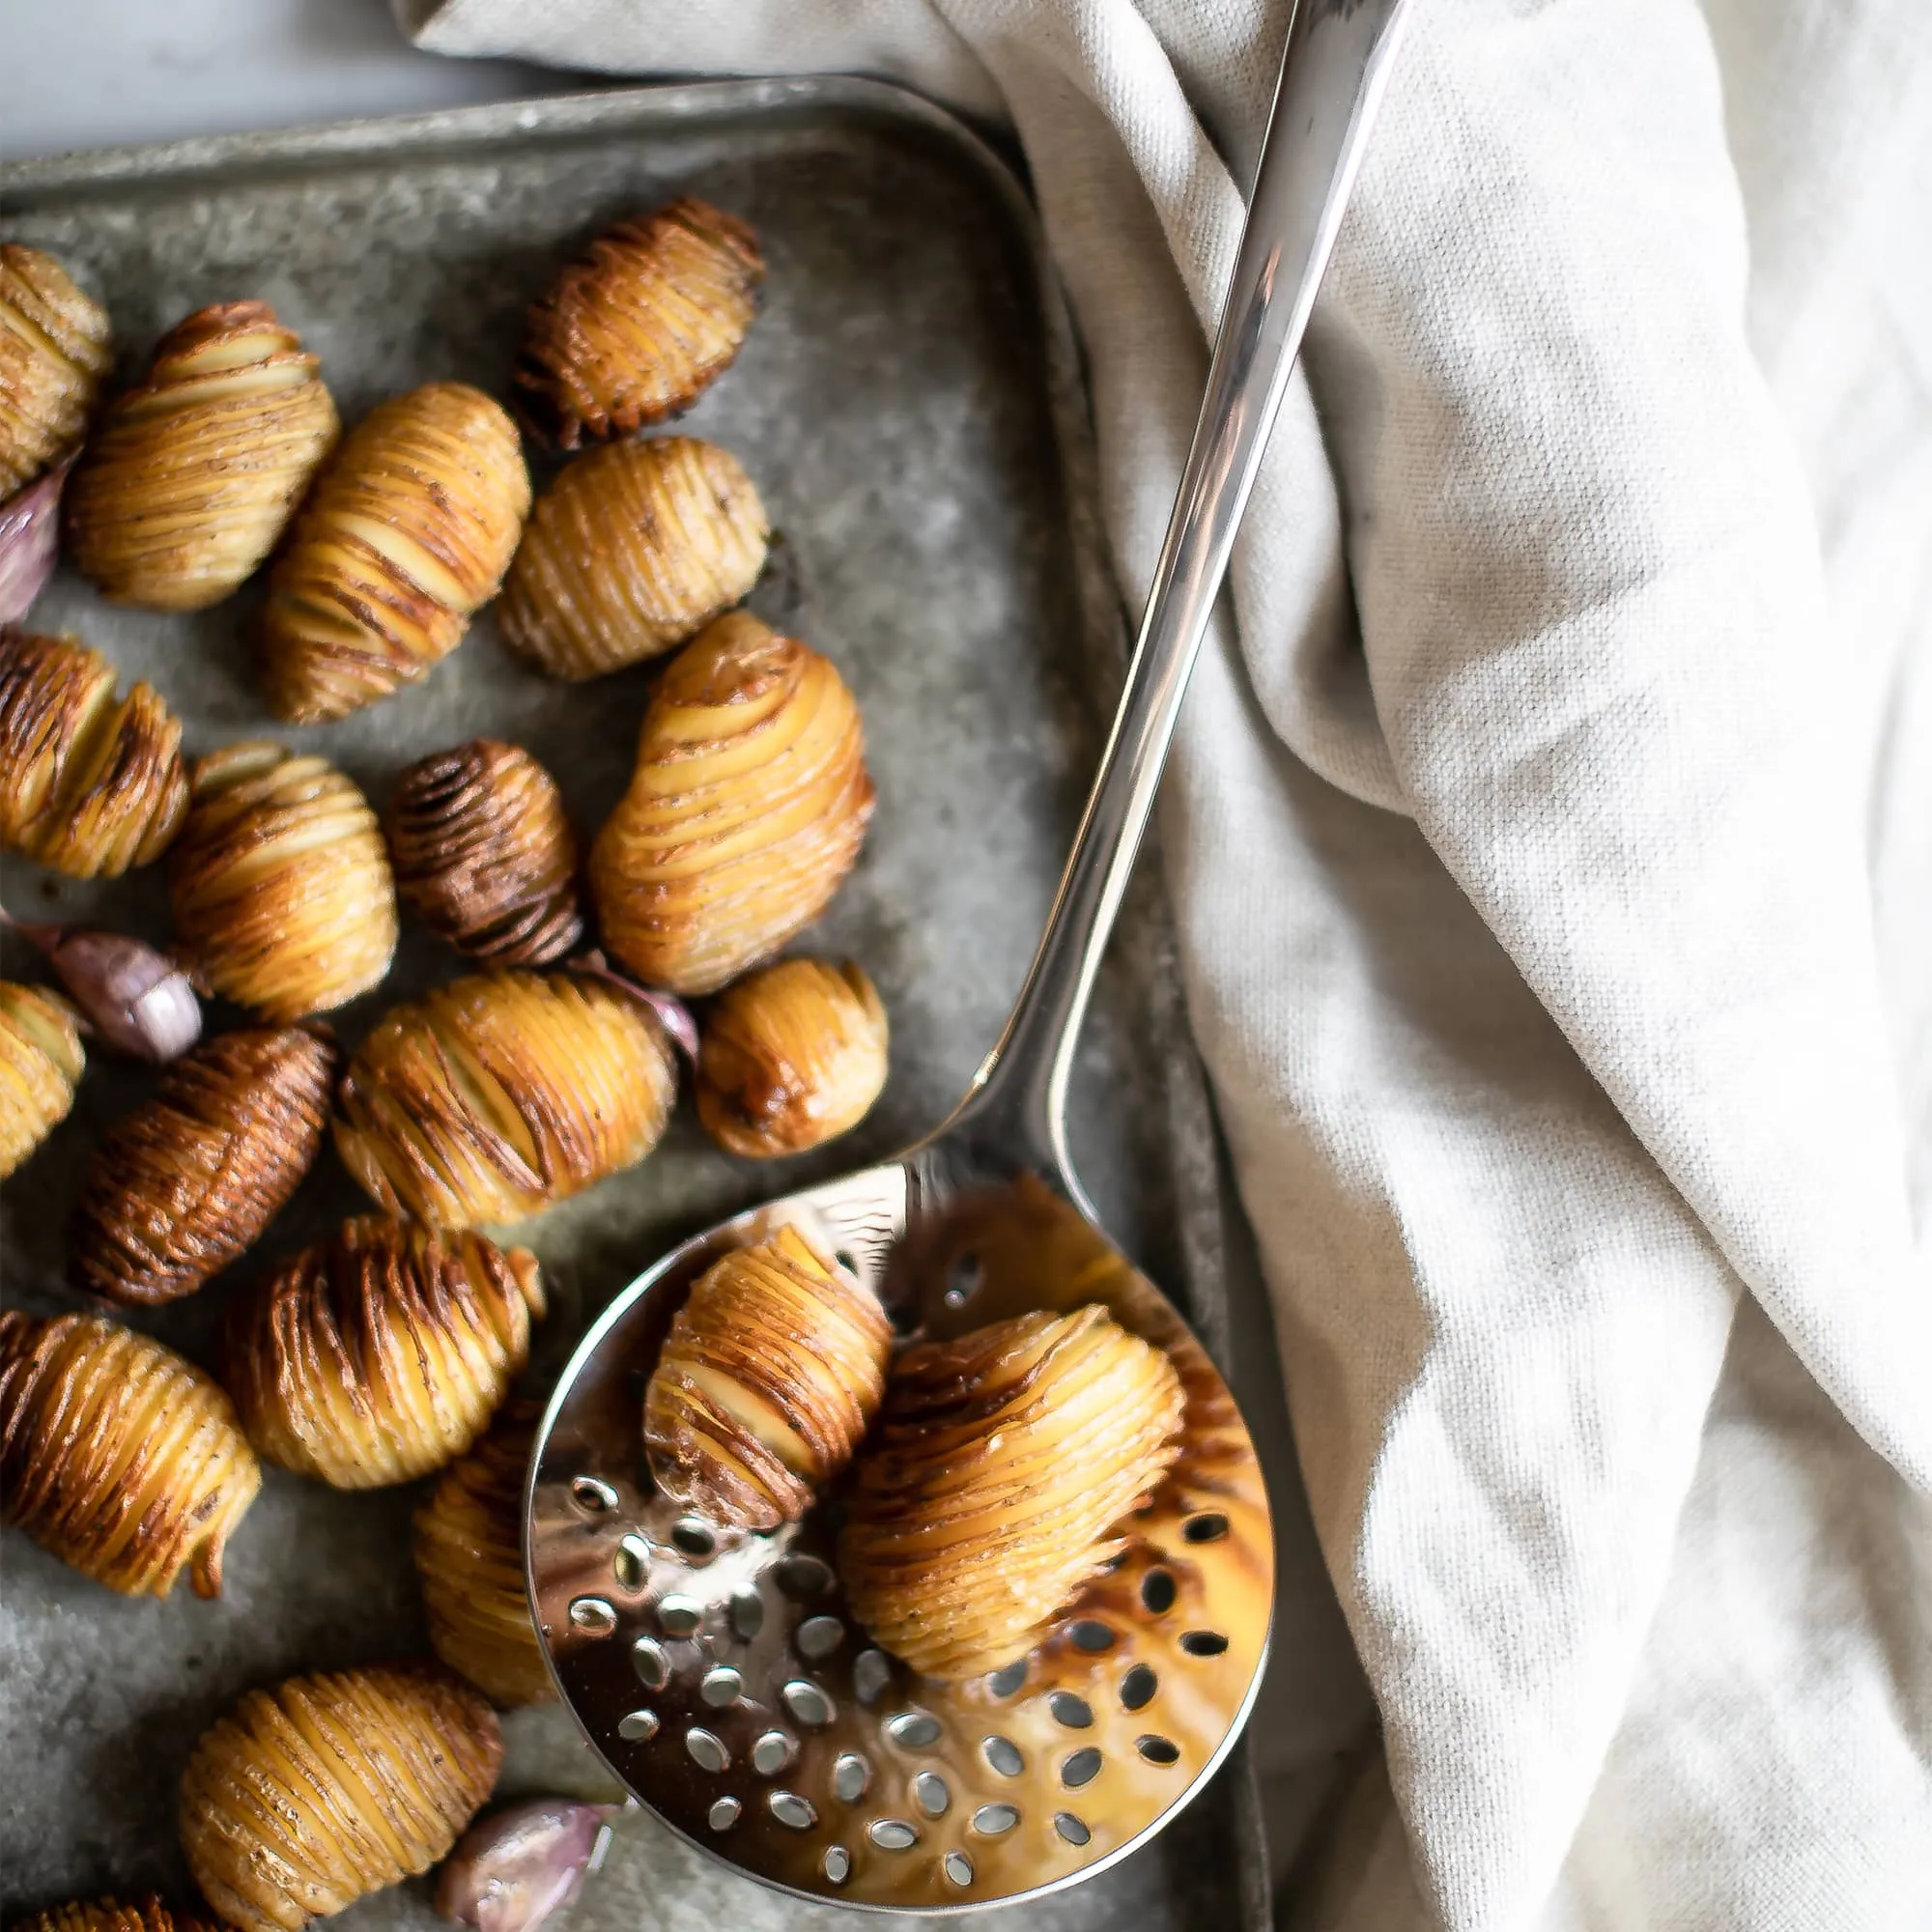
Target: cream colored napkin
point(1529, 844)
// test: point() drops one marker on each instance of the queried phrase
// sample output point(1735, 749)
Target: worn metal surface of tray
point(910, 407)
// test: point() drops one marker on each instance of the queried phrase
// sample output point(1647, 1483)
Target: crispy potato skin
point(498, 1094)
point(190, 479)
point(56, 348)
point(118, 1456)
point(280, 883)
point(1004, 1466)
point(771, 1374)
point(636, 329)
point(484, 853)
point(305, 1797)
point(40, 1064)
point(470, 1554)
point(381, 1354)
point(184, 1186)
point(405, 536)
point(91, 783)
point(109, 1915)
point(634, 549)
point(792, 1055)
point(746, 807)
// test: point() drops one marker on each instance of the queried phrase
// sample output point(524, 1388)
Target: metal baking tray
point(910, 405)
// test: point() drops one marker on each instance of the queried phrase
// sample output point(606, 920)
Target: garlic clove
point(136, 998)
point(29, 542)
point(634, 331)
point(514, 1869)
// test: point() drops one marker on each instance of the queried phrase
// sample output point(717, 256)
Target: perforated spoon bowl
point(721, 1677)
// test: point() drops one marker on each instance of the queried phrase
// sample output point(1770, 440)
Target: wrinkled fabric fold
point(1528, 830)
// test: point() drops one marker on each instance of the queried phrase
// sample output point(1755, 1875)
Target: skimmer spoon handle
point(1333, 74)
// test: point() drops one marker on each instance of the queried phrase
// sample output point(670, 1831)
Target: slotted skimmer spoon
point(720, 1676)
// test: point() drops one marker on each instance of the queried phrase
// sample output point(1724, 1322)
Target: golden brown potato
point(381, 1354)
point(41, 1063)
point(185, 1184)
point(280, 883)
point(470, 1554)
point(307, 1797)
point(771, 1372)
point(498, 1094)
point(484, 851)
point(1005, 1463)
point(109, 1915)
point(91, 783)
point(192, 478)
point(406, 535)
point(633, 550)
point(747, 808)
point(791, 1057)
point(117, 1455)
point(56, 348)
point(640, 327)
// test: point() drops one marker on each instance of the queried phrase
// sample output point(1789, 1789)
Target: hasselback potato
point(381, 1354)
point(192, 478)
point(117, 1455)
point(639, 327)
point(630, 552)
point(56, 347)
point(186, 1183)
point(307, 1797)
point(41, 1063)
point(791, 1055)
point(109, 1915)
point(1004, 1466)
point(405, 536)
point(280, 883)
point(484, 851)
point(470, 1554)
point(502, 1094)
point(771, 1374)
point(747, 808)
point(91, 783)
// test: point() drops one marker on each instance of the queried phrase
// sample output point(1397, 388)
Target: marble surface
point(87, 73)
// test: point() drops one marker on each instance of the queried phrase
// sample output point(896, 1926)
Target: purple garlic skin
point(29, 538)
point(672, 1015)
point(139, 1000)
point(512, 1870)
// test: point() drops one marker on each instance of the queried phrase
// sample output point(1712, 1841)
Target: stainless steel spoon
point(719, 1677)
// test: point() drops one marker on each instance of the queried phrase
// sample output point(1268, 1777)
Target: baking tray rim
point(647, 108)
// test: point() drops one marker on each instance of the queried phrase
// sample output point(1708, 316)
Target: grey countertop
point(90, 73)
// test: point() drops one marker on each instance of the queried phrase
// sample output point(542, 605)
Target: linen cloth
point(1551, 836)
